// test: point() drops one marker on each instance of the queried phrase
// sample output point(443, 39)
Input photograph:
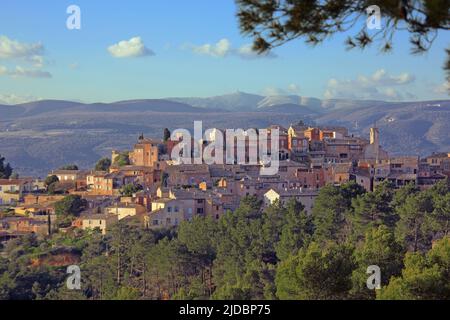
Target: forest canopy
point(280, 252)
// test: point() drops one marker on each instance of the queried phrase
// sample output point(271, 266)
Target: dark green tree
point(350, 191)
point(273, 220)
point(129, 189)
point(439, 219)
point(295, 232)
point(412, 230)
point(424, 277)
point(319, 271)
point(402, 194)
point(166, 135)
point(239, 270)
point(103, 164)
point(5, 169)
point(381, 249)
point(50, 180)
point(198, 237)
point(71, 205)
point(172, 271)
point(70, 167)
point(373, 209)
point(329, 214)
point(123, 159)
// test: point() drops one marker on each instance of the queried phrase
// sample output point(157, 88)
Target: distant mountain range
point(241, 101)
point(39, 136)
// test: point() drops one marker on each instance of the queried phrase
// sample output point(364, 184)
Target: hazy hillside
point(406, 128)
point(39, 136)
point(291, 108)
point(238, 101)
point(241, 101)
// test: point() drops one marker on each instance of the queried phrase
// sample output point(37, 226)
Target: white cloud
point(9, 98)
point(382, 78)
point(224, 48)
point(292, 89)
point(132, 48)
point(443, 88)
point(378, 86)
point(37, 61)
point(22, 72)
point(12, 49)
point(30, 53)
point(220, 49)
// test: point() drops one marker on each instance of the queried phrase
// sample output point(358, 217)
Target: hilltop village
point(145, 187)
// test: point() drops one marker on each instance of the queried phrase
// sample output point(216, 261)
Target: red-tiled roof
point(10, 182)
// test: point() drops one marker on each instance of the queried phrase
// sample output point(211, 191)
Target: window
point(199, 210)
point(176, 209)
point(169, 209)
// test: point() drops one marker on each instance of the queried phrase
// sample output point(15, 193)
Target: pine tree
point(424, 277)
point(320, 271)
point(330, 212)
point(296, 232)
point(5, 169)
point(166, 135)
point(411, 229)
point(373, 209)
point(380, 249)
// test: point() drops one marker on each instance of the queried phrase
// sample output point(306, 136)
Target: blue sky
point(198, 51)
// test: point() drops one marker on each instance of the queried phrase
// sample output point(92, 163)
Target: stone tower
point(114, 155)
point(374, 136)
